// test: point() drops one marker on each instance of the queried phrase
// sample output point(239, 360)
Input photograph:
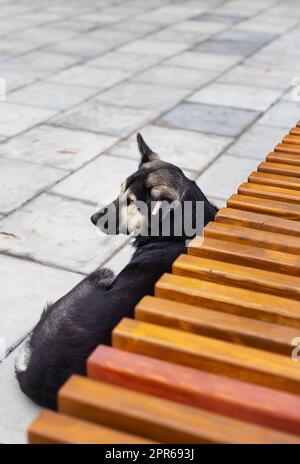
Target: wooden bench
point(208, 359)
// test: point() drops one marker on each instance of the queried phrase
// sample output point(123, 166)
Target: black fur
point(70, 329)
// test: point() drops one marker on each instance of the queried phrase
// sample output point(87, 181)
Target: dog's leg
point(102, 277)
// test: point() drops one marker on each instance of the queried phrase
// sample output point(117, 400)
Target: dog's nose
point(95, 218)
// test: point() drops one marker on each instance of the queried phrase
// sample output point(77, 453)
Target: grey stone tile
point(18, 411)
point(120, 259)
point(176, 77)
point(10, 47)
point(138, 28)
point(99, 181)
point(168, 14)
point(44, 60)
point(154, 47)
point(222, 179)
point(218, 202)
point(56, 146)
point(172, 35)
point(82, 47)
point(201, 28)
point(125, 61)
point(186, 149)
point(141, 95)
point(25, 289)
point(264, 22)
point(214, 119)
point(44, 35)
point(235, 43)
point(203, 61)
point(51, 95)
point(21, 181)
point(218, 18)
point(257, 142)
point(278, 55)
point(18, 76)
point(58, 231)
point(283, 114)
point(263, 77)
point(237, 96)
point(18, 118)
point(88, 76)
point(105, 119)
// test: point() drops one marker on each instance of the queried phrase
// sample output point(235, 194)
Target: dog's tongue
point(156, 208)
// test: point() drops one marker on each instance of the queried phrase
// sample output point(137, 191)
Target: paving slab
point(17, 411)
point(105, 119)
point(125, 61)
point(223, 178)
point(98, 182)
point(140, 95)
point(21, 181)
point(43, 60)
point(203, 61)
point(186, 149)
point(214, 119)
point(257, 142)
point(260, 77)
point(283, 114)
point(52, 95)
point(88, 76)
point(176, 77)
point(237, 96)
point(147, 46)
point(56, 147)
point(15, 118)
point(25, 290)
point(58, 231)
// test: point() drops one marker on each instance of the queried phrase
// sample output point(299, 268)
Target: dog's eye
point(129, 201)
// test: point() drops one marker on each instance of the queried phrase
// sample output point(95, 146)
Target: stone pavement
point(207, 82)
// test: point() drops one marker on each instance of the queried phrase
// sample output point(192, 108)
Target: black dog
point(70, 329)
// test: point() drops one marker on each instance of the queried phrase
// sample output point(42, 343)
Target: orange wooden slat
point(215, 324)
point(265, 206)
point(256, 256)
point(157, 418)
point(287, 148)
point(54, 428)
point(222, 272)
point(204, 353)
point(293, 139)
point(258, 221)
point(284, 157)
point(255, 238)
point(201, 389)
point(276, 180)
point(239, 301)
point(279, 168)
point(270, 192)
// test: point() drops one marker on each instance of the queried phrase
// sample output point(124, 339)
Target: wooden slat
point(284, 158)
point(270, 192)
point(201, 389)
point(215, 324)
point(258, 221)
point(293, 139)
point(279, 168)
point(158, 418)
point(237, 275)
point(276, 180)
point(287, 148)
point(216, 356)
point(239, 301)
point(295, 131)
point(264, 206)
point(52, 428)
point(234, 252)
point(255, 238)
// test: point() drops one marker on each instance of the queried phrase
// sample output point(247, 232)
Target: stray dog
point(70, 329)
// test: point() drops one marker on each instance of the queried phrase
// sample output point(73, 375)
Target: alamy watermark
point(296, 351)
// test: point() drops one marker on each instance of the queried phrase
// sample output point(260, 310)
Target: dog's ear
point(146, 153)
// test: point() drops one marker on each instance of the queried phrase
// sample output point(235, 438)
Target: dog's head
point(152, 194)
